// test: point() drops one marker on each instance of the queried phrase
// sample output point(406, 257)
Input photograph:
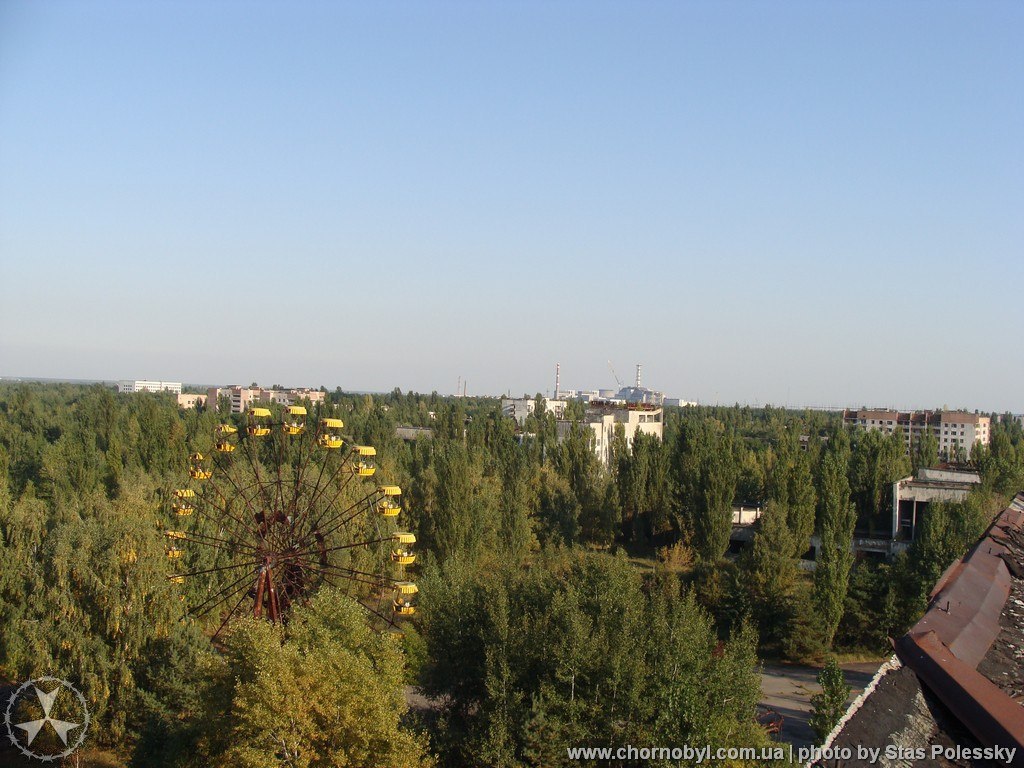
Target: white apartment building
point(602, 420)
point(174, 387)
point(956, 431)
point(679, 402)
point(521, 407)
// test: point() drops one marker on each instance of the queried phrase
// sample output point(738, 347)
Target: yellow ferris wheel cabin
point(330, 433)
point(295, 420)
point(259, 425)
point(364, 465)
point(390, 504)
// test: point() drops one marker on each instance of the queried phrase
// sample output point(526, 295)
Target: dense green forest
point(561, 604)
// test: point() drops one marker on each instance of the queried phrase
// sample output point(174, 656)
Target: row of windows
point(915, 427)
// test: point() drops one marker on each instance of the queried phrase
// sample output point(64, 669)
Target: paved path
point(787, 688)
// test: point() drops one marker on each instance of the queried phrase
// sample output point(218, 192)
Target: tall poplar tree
point(791, 486)
point(838, 518)
point(707, 475)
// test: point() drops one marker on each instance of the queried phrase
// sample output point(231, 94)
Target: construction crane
point(610, 368)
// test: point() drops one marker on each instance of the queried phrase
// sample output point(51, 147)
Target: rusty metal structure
point(279, 507)
point(961, 624)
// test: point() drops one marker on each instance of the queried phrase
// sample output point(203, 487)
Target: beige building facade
point(242, 397)
point(603, 419)
point(191, 400)
point(956, 431)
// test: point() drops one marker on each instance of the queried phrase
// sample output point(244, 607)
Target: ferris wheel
point(275, 509)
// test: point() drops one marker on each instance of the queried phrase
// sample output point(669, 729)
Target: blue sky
point(802, 203)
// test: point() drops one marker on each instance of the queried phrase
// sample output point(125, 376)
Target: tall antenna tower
point(638, 375)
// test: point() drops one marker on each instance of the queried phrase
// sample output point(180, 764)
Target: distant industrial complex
point(636, 409)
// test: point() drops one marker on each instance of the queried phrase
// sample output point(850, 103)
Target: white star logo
point(47, 699)
point(32, 727)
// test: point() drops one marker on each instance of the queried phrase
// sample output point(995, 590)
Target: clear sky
point(803, 202)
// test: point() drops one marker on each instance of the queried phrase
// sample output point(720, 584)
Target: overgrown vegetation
point(535, 630)
point(827, 707)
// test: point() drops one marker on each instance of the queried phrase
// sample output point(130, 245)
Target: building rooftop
point(914, 417)
point(611, 405)
point(958, 677)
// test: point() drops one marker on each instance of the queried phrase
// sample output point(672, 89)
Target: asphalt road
point(787, 688)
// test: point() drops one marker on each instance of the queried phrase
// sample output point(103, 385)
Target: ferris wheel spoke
point(219, 568)
point(340, 547)
point(213, 541)
point(379, 576)
point(344, 483)
point(316, 490)
point(253, 462)
point(307, 534)
point(244, 498)
point(206, 516)
point(340, 490)
point(316, 485)
point(337, 513)
point(386, 619)
point(358, 511)
point(281, 440)
point(302, 441)
point(380, 601)
point(351, 574)
point(306, 456)
point(233, 588)
point(290, 584)
point(351, 578)
point(239, 488)
point(209, 498)
point(231, 613)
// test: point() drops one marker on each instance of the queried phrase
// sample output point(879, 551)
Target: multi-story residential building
point(191, 401)
point(603, 418)
point(315, 396)
point(521, 407)
point(174, 387)
point(242, 397)
point(239, 397)
point(956, 431)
